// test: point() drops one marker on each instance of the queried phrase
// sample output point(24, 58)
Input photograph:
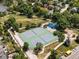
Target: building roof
point(3, 8)
point(2, 53)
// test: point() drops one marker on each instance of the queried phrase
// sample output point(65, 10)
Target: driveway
point(74, 54)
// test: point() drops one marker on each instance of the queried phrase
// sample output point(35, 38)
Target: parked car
point(68, 53)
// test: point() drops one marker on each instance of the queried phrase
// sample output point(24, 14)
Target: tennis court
point(36, 35)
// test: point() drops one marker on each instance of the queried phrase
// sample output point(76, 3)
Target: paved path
point(20, 43)
point(56, 47)
point(31, 55)
point(64, 9)
point(61, 42)
point(22, 28)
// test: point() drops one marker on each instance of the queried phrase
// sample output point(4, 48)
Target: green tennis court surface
point(36, 35)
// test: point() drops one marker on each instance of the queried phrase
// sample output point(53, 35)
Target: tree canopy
point(26, 46)
point(11, 22)
point(53, 54)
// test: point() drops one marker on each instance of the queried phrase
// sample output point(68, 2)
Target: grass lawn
point(23, 19)
point(63, 49)
point(10, 47)
point(47, 50)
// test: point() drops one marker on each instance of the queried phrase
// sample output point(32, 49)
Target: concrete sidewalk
point(56, 47)
point(31, 55)
point(20, 43)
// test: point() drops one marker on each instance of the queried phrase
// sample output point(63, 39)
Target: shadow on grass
point(77, 41)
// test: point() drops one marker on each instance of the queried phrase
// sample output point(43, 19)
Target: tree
point(29, 12)
point(63, 22)
point(33, 25)
point(61, 19)
point(17, 49)
point(60, 35)
point(61, 0)
point(20, 1)
point(1, 29)
point(42, 12)
point(67, 42)
point(38, 48)
point(74, 20)
point(53, 54)
point(35, 8)
point(26, 46)
point(56, 33)
point(19, 56)
point(8, 2)
point(11, 22)
point(25, 9)
point(39, 45)
point(55, 16)
point(2, 14)
point(44, 1)
point(61, 38)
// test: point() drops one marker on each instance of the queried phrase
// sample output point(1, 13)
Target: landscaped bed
point(47, 49)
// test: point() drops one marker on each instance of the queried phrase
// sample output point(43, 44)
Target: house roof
point(3, 8)
point(2, 53)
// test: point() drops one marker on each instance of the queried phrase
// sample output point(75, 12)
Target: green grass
point(23, 19)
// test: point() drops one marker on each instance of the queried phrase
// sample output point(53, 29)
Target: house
point(74, 10)
point(3, 8)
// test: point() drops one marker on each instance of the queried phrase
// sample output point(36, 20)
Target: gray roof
point(2, 53)
point(3, 8)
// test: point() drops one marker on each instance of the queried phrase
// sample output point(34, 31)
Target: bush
point(60, 35)
point(26, 46)
point(38, 48)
